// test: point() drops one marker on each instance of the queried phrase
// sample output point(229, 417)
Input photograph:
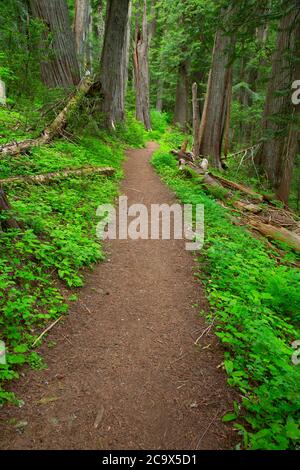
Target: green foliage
point(256, 304)
point(60, 234)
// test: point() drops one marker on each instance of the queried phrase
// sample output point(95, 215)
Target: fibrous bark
point(141, 70)
point(113, 62)
point(60, 68)
point(196, 118)
point(280, 123)
point(82, 31)
point(216, 102)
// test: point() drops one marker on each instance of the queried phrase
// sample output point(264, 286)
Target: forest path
point(125, 373)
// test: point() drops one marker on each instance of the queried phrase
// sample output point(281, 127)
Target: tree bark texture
point(280, 124)
point(196, 118)
point(216, 101)
point(82, 31)
point(113, 61)
point(182, 96)
point(61, 68)
point(141, 70)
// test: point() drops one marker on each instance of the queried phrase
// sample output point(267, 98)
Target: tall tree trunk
point(196, 118)
point(82, 31)
point(141, 70)
point(113, 62)
point(216, 100)
point(281, 118)
point(61, 68)
point(182, 96)
point(226, 147)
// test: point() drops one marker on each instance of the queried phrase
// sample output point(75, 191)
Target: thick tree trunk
point(226, 147)
point(196, 119)
point(281, 118)
point(61, 68)
point(113, 75)
point(182, 96)
point(141, 71)
point(216, 102)
point(82, 31)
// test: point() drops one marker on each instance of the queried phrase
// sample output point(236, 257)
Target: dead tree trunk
point(281, 118)
point(216, 101)
point(196, 119)
point(113, 75)
point(182, 96)
point(82, 31)
point(6, 222)
point(141, 70)
point(61, 68)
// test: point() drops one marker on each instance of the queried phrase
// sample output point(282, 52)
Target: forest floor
point(125, 373)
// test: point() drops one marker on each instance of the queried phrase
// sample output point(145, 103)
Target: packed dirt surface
point(125, 372)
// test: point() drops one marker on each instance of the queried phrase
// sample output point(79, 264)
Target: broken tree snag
point(6, 223)
point(48, 177)
point(276, 233)
point(55, 128)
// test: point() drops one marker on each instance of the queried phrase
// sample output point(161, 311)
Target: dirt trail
point(125, 373)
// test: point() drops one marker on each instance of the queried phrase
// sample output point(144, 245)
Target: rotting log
point(239, 187)
point(275, 233)
point(55, 128)
point(48, 177)
point(241, 205)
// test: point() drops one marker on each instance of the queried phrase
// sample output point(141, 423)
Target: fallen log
point(48, 177)
point(241, 205)
point(239, 187)
point(275, 233)
point(55, 128)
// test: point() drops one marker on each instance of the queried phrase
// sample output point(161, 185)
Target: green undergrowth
point(59, 238)
point(255, 304)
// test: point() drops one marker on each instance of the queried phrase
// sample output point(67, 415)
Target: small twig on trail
point(86, 307)
point(204, 332)
point(206, 430)
point(99, 417)
point(137, 190)
point(46, 331)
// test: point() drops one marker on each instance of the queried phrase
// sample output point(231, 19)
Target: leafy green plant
point(256, 306)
